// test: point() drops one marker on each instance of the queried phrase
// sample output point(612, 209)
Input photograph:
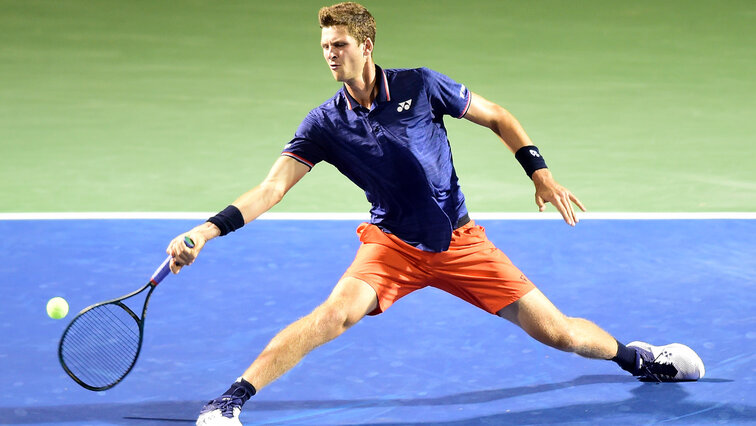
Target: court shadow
point(651, 402)
point(126, 413)
point(186, 411)
point(662, 401)
point(476, 397)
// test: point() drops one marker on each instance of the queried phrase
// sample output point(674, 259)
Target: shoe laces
point(659, 369)
point(227, 402)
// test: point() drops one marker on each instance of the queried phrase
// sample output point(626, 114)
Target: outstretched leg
point(348, 303)
point(535, 314)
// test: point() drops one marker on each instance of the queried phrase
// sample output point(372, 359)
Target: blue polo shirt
point(397, 152)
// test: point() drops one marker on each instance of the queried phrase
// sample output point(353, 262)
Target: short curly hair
point(358, 21)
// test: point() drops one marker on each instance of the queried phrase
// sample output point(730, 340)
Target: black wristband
point(228, 220)
point(530, 159)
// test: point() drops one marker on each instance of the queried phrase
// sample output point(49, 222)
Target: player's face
point(344, 56)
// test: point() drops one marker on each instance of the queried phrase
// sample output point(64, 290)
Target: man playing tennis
point(384, 130)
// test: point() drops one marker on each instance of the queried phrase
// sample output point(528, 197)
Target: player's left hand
point(549, 191)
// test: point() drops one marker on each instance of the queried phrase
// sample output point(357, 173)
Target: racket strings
point(95, 362)
point(101, 345)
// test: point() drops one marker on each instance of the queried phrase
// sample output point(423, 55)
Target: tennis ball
point(57, 308)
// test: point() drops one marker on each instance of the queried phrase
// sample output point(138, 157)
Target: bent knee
point(334, 320)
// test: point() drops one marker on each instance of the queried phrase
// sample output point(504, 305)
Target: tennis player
point(384, 130)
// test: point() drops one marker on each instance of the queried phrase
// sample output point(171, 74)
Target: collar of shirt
point(384, 94)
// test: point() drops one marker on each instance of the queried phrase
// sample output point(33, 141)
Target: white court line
point(366, 216)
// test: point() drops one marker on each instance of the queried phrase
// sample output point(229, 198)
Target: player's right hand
point(182, 254)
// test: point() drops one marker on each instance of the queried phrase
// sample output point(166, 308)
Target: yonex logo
point(404, 106)
point(534, 153)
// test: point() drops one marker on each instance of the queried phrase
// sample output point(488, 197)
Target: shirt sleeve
point(446, 95)
point(306, 146)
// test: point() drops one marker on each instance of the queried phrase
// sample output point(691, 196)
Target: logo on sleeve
point(462, 91)
point(404, 106)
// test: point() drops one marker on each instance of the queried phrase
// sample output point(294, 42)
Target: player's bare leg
point(350, 300)
point(535, 314)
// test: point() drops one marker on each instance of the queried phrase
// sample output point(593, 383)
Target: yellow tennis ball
point(57, 308)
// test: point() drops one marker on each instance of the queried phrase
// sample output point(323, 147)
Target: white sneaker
point(669, 363)
point(215, 415)
point(225, 409)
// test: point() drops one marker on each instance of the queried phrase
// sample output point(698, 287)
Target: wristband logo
point(534, 153)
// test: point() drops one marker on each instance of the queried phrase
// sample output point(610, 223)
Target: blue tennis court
point(430, 359)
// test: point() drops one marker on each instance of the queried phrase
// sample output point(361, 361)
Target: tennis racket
point(102, 343)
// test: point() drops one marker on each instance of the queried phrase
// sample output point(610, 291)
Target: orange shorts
point(473, 269)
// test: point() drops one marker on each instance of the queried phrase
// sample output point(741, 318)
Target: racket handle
point(165, 267)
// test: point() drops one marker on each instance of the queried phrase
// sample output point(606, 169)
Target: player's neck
point(363, 89)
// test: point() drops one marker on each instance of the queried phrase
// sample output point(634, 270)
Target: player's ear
point(367, 47)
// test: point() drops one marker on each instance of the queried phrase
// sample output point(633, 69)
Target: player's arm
point(284, 174)
point(509, 130)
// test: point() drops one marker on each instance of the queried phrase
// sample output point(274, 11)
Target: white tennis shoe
point(669, 363)
point(225, 409)
point(219, 416)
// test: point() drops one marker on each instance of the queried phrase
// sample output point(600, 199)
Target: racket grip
point(165, 267)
